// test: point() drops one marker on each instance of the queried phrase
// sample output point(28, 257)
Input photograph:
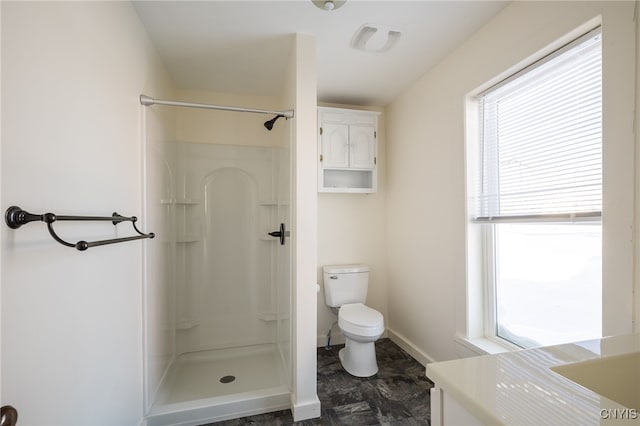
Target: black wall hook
point(15, 217)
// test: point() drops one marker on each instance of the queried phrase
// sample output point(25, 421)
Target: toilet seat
point(360, 320)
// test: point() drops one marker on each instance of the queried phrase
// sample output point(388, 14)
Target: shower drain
point(227, 379)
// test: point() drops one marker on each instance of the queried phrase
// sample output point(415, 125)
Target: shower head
point(269, 124)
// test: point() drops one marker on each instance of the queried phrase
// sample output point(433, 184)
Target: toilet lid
point(360, 316)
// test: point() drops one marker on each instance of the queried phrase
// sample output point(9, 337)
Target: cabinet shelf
point(347, 180)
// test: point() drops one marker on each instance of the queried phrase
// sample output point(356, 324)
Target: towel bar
point(15, 217)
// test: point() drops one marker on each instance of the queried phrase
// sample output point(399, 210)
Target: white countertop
point(519, 388)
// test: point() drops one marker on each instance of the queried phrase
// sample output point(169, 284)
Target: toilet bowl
point(361, 327)
point(346, 287)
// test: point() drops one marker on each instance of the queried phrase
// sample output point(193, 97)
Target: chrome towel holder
point(15, 217)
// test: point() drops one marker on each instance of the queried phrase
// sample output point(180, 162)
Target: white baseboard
point(420, 356)
point(337, 338)
point(308, 410)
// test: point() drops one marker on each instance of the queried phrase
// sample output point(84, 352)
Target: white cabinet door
point(362, 147)
point(335, 145)
point(445, 410)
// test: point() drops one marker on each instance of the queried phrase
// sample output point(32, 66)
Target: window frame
point(490, 322)
point(486, 229)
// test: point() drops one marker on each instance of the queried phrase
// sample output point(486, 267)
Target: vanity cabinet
point(348, 149)
point(446, 410)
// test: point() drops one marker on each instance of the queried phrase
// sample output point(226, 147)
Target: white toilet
point(345, 286)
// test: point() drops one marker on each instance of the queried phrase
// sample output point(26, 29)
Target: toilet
point(345, 287)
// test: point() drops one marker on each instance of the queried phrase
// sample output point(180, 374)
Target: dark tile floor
point(397, 395)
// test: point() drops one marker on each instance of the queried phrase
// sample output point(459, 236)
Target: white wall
point(300, 93)
point(637, 186)
point(227, 127)
point(72, 321)
point(426, 192)
point(351, 229)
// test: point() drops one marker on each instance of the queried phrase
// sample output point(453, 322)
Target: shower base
point(223, 384)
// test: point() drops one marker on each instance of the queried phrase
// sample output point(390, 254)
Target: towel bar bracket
point(16, 217)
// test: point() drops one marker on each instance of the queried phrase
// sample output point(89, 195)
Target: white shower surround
point(227, 294)
point(230, 281)
point(298, 94)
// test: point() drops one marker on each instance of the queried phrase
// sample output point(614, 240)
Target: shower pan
point(218, 293)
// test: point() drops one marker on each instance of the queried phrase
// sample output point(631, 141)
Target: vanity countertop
point(519, 388)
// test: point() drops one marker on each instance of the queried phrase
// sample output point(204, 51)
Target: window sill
point(474, 346)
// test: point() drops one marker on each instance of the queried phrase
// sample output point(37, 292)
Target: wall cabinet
point(348, 149)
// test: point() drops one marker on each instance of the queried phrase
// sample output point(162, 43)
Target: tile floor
point(397, 395)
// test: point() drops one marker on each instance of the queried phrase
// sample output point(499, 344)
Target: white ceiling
point(243, 46)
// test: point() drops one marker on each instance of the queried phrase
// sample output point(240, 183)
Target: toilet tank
point(345, 284)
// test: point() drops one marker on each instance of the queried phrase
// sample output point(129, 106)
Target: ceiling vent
point(329, 5)
point(375, 38)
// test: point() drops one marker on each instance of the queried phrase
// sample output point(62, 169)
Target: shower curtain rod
point(146, 101)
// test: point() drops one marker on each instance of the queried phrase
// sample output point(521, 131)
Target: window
point(539, 198)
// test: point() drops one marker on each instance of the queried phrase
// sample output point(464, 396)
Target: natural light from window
point(548, 283)
point(539, 198)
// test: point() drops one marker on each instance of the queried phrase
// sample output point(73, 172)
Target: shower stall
point(218, 284)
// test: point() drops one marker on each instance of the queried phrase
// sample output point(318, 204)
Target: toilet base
point(359, 359)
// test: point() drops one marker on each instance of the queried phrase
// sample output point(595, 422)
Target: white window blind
point(542, 139)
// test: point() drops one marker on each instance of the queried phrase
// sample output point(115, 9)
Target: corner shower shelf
point(186, 324)
point(181, 201)
point(189, 201)
point(272, 316)
point(268, 316)
point(273, 203)
point(187, 239)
